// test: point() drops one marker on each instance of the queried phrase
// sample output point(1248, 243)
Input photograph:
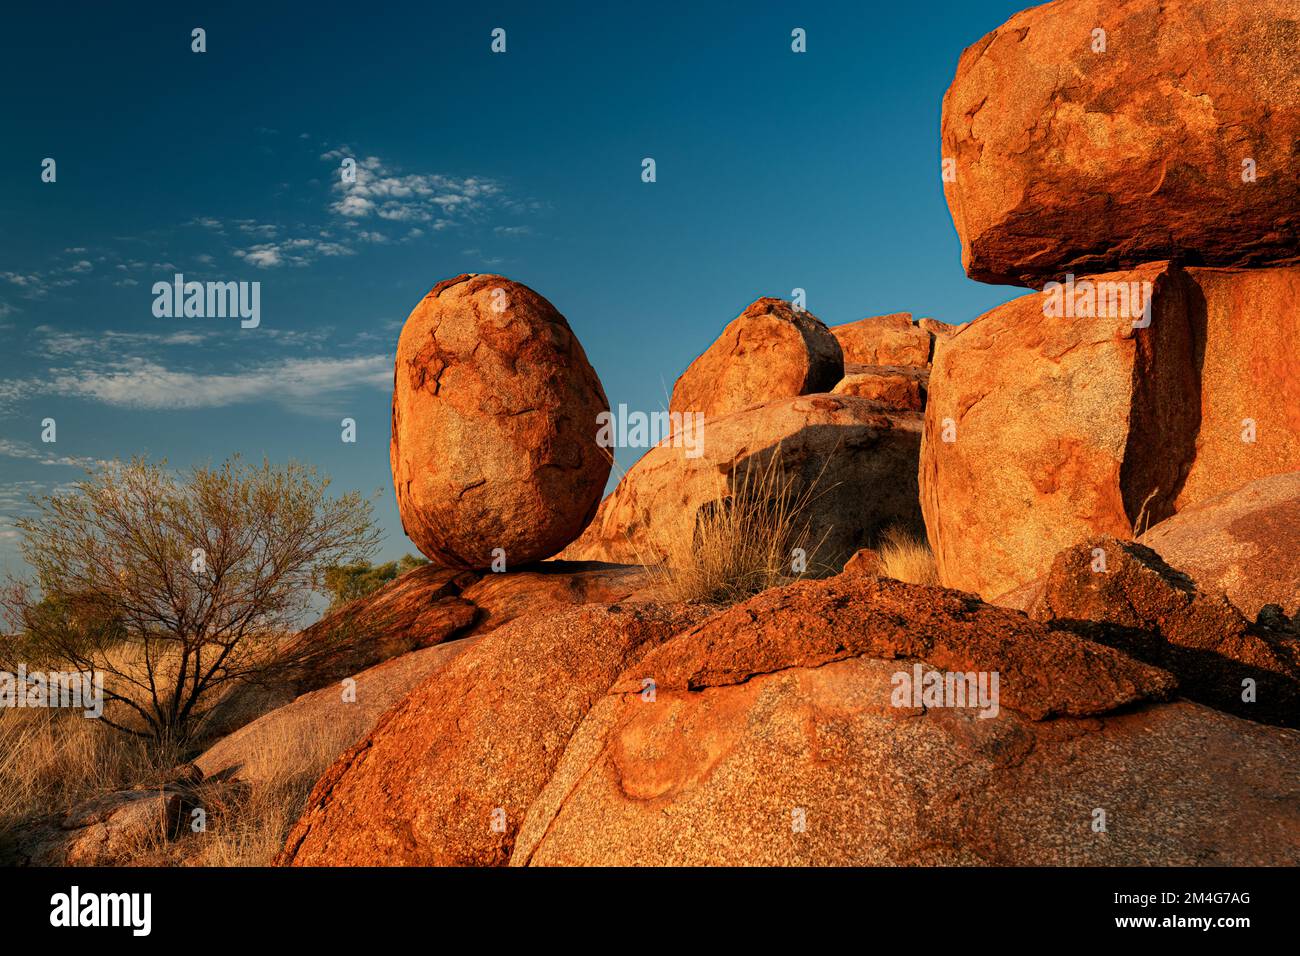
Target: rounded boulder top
point(495, 408)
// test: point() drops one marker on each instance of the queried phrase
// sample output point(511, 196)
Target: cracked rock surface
point(773, 740)
point(494, 425)
point(1073, 159)
point(770, 351)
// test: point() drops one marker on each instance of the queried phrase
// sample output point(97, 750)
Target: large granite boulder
point(784, 732)
point(770, 351)
point(495, 421)
point(853, 459)
point(1170, 133)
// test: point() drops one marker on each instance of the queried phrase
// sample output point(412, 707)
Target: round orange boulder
point(495, 412)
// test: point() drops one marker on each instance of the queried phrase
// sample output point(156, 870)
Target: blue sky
point(775, 170)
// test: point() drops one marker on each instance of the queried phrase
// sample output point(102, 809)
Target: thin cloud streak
point(142, 384)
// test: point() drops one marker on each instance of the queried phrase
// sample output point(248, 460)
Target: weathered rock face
point(1058, 428)
point(1044, 672)
point(1250, 377)
point(885, 340)
point(796, 689)
point(897, 386)
point(1244, 544)
point(447, 775)
point(859, 458)
point(1068, 426)
point(864, 561)
point(940, 330)
point(552, 586)
point(303, 738)
point(1074, 160)
point(1124, 595)
point(112, 829)
point(423, 608)
point(770, 351)
point(494, 425)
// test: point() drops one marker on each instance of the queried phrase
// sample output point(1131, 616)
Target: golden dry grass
point(906, 557)
point(247, 824)
point(51, 760)
point(745, 542)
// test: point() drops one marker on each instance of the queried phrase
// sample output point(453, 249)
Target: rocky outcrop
point(1091, 136)
point(887, 358)
point(447, 775)
point(800, 689)
point(1041, 431)
point(865, 561)
point(1250, 377)
point(495, 418)
point(770, 351)
point(422, 608)
point(893, 339)
point(1243, 544)
point(113, 829)
point(1044, 672)
point(1124, 595)
point(855, 460)
point(896, 386)
point(302, 738)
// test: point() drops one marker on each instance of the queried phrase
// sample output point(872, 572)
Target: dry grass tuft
point(51, 760)
point(906, 557)
point(742, 543)
point(247, 824)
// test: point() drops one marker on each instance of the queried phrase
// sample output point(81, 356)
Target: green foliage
point(176, 585)
point(347, 582)
point(84, 623)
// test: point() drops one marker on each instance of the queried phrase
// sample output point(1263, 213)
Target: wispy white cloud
point(36, 285)
point(17, 449)
point(252, 227)
point(143, 384)
point(292, 252)
point(30, 285)
point(53, 342)
point(387, 193)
